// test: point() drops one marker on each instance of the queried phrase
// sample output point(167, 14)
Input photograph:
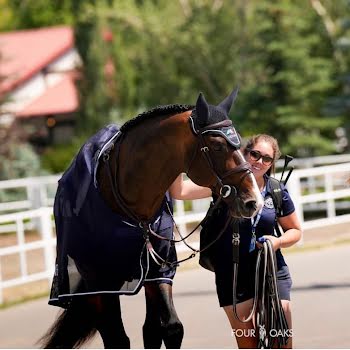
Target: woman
point(261, 152)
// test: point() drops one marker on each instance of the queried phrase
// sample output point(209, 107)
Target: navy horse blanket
point(99, 251)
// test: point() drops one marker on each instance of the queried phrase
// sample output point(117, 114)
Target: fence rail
point(37, 191)
point(322, 190)
point(325, 187)
point(46, 242)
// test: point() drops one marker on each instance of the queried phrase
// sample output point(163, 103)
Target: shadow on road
point(316, 286)
point(195, 293)
point(311, 287)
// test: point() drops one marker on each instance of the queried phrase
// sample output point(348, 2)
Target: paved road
point(321, 307)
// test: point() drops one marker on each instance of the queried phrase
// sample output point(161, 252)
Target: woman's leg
point(287, 308)
point(245, 333)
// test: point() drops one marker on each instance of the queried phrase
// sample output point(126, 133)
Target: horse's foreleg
point(152, 332)
point(162, 322)
point(172, 328)
point(110, 323)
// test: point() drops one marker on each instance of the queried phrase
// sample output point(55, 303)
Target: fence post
point(38, 198)
point(36, 195)
point(1, 288)
point(328, 178)
point(46, 234)
point(21, 242)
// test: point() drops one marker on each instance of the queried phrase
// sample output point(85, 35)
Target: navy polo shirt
point(266, 223)
point(222, 249)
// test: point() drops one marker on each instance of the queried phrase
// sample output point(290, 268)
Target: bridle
point(226, 130)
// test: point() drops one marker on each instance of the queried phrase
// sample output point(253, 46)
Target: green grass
point(23, 300)
point(315, 246)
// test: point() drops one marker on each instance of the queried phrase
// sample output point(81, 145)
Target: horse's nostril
point(250, 205)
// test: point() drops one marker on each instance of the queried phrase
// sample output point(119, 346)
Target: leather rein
point(225, 192)
point(267, 310)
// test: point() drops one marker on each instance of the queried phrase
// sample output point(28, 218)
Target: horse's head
point(217, 162)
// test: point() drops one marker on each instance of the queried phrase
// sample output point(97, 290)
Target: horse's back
point(81, 171)
point(95, 245)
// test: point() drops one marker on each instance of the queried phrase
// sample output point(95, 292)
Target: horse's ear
point(227, 103)
point(202, 110)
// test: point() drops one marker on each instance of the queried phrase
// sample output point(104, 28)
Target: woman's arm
point(292, 230)
point(187, 189)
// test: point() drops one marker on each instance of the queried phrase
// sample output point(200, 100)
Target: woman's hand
point(276, 241)
point(291, 233)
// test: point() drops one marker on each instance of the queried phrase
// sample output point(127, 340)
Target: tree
point(296, 76)
point(138, 54)
point(17, 157)
point(338, 31)
point(165, 52)
point(96, 83)
point(7, 16)
point(40, 13)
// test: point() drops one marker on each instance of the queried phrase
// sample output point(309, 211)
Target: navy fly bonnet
point(209, 119)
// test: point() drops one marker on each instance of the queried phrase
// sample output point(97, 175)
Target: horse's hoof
point(152, 337)
point(173, 335)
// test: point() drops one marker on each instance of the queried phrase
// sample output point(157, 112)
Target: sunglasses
point(256, 155)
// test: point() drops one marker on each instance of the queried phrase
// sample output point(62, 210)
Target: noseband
point(228, 132)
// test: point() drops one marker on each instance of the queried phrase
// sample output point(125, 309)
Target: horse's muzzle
point(249, 208)
point(245, 209)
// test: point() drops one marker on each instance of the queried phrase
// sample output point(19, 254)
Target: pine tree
point(296, 78)
point(338, 29)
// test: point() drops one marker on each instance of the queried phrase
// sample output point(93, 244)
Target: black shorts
point(246, 285)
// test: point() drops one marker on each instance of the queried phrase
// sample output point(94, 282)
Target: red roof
point(24, 53)
point(57, 99)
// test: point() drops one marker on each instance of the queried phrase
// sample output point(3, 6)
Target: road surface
point(321, 307)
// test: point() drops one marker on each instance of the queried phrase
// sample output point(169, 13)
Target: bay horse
point(107, 210)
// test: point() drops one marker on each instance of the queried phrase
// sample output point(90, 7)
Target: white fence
point(37, 192)
point(21, 247)
point(321, 190)
point(324, 189)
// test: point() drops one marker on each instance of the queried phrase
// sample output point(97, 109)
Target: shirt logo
point(268, 203)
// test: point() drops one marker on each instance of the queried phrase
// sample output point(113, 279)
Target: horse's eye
point(219, 147)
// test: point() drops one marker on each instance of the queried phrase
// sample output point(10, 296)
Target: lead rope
point(164, 262)
point(276, 319)
point(270, 320)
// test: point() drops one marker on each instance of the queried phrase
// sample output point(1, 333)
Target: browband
point(224, 129)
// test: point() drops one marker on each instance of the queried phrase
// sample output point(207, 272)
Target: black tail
point(72, 328)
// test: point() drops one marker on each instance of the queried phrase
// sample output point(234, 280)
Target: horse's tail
point(72, 328)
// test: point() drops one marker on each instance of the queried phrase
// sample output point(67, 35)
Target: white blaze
point(258, 197)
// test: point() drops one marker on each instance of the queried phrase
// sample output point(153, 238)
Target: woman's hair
point(268, 139)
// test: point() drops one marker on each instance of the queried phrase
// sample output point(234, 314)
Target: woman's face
point(261, 158)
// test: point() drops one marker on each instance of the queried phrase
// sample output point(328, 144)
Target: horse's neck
point(151, 156)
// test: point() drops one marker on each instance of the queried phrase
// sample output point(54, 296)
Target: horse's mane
point(165, 110)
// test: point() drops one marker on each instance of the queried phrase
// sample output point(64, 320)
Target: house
point(37, 71)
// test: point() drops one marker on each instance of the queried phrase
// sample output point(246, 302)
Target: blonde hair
point(268, 139)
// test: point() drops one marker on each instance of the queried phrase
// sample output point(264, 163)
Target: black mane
point(154, 112)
